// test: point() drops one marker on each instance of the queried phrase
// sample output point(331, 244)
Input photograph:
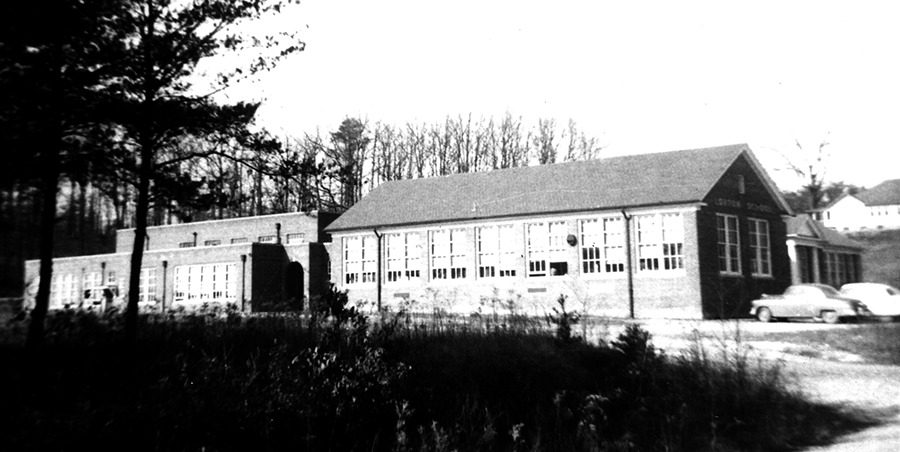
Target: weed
point(564, 320)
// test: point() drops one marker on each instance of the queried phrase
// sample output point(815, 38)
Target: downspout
point(243, 279)
point(103, 287)
point(378, 270)
point(165, 271)
point(628, 263)
point(195, 240)
point(278, 233)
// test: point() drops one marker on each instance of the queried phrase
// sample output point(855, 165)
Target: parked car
point(817, 301)
point(882, 299)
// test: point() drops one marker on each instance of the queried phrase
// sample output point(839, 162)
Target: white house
point(873, 209)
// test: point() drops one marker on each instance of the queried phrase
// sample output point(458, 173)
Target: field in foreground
point(226, 382)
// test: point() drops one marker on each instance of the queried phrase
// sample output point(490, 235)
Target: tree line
point(100, 104)
point(107, 125)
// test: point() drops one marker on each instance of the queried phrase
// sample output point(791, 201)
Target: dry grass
point(286, 382)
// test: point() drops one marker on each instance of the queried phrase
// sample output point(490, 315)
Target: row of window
point(840, 269)
point(193, 283)
point(601, 242)
point(289, 239)
point(64, 288)
point(207, 282)
point(883, 210)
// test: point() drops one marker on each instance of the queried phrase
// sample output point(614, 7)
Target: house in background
point(252, 262)
point(686, 234)
point(822, 255)
point(873, 209)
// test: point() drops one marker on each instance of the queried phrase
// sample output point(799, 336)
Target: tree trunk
point(140, 233)
point(48, 222)
point(50, 182)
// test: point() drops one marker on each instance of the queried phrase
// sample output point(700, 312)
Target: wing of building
point(252, 263)
point(685, 234)
point(822, 255)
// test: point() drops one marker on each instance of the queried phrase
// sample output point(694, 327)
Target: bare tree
point(581, 146)
point(544, 142)
point(811, 166)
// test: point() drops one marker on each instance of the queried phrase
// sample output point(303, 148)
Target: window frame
point(732, 262)
point(757, 259)
point(454, 252)
point(147, 285)
point(606, 255)
point(495, 252)
point(545, 243)
point(406, 264)
point(205, 283)
point(92, 286)
point(659, 242)
point(294, 238)
point(359, 268)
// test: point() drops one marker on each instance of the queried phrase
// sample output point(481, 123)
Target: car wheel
point(829, 317)
point(764, 315)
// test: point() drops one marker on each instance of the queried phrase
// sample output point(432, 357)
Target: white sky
point(643, 76)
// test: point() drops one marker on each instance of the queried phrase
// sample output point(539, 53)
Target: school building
point(686, 234)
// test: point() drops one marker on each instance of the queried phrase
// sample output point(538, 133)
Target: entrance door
point(293, 285)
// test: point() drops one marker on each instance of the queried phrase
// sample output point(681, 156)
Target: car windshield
point(830, 291)
point(892, 291)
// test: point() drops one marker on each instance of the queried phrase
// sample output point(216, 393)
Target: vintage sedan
point(816, 301)
point(883, 300)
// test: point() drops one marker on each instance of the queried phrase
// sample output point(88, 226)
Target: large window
point(205, 283)
point(448, 254)
point(729, 244)
point(547, 249)
point(603, 245)
point(92, 286)
point(360, 259)
point(760, 250)
point(147, 286)
point(66, 289)
point(660, 242)
point(403, 253)
point(496, 252)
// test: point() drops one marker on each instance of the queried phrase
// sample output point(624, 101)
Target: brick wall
point(249, 228)
point(674, 294)
point(164, 261)
point(726, 295)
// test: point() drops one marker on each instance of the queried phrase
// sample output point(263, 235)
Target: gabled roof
point(886, 193)
point(804, 226)
point(611, 183)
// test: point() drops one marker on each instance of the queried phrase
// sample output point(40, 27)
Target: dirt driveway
point(830, 376)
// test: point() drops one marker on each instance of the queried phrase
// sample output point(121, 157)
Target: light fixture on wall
point(571, 239)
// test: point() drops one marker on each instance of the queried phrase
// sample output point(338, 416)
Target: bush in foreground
point(284, 382)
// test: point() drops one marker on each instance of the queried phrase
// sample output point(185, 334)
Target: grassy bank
point(877, 342)
point(226, 382)
point(881, 260)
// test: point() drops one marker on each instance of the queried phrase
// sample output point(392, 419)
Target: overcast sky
point(644, 77)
